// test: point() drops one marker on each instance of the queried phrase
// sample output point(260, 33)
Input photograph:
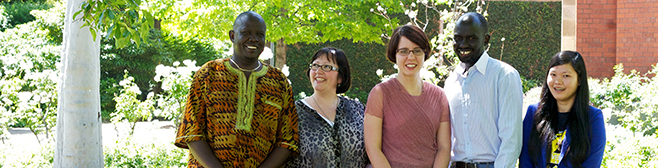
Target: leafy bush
point(632, 98)
point(627, 149)
point(43, 157)
point(109, 89)
point(3, 19)
point(175, 87)
point(128, 154)
point(141, 62)
point(123, 154)
point(129, 108)
point(528, 83)
point(29, 77)
point(19, 12)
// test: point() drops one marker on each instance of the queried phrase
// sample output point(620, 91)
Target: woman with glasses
point(330, 126)
point(407, 120)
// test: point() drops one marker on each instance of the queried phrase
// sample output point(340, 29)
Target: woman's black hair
point(414, 34)
point(545, 119)
point(338, 57)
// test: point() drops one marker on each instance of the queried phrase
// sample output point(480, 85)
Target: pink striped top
point(410, 123)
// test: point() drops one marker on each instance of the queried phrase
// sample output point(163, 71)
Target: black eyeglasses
point(325, 68)
point(405, 52)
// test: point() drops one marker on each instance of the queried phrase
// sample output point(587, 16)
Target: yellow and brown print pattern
point(242, 119)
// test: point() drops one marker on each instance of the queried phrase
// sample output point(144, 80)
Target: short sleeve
point(288, 136)
point(193, 123)
point(445, 107)
point(374, 106)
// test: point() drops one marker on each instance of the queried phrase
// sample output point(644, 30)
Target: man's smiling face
point(470, 39)
point(248, 36)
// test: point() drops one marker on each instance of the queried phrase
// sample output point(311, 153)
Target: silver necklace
point(316, 102)
point(245, 70)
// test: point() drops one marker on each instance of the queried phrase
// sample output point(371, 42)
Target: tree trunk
point(78, 138)
point(280, 53)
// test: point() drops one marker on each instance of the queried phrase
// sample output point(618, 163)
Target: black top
point(562, 119)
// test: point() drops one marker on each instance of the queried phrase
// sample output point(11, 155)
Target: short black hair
point(246, 15)
point(481, 19)
point(414, 34)
point(338, 57)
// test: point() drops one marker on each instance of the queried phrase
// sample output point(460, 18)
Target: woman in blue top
point(563, 130)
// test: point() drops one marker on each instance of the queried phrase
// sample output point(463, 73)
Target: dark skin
point(470, 39)
point(248, 36)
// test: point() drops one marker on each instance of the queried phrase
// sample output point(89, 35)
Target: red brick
point(624, 10)
point(608, 6)
point(609, 54)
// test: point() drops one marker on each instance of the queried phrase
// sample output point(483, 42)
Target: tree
point(289, 21)
point(78, 140)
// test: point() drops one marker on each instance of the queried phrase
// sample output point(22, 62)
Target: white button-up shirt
point(485, 105)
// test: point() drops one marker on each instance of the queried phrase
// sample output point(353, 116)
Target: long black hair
point(545, 119)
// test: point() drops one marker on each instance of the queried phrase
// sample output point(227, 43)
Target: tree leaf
point(93, 33)
point(149, 18)
point(108, 33)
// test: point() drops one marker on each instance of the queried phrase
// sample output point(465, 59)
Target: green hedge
point(531, 31)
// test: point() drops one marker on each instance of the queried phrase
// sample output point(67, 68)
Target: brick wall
point(637, 34)
point(596, 35)
point(610, 32)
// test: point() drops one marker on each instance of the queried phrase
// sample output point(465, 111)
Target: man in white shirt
point(486, 99)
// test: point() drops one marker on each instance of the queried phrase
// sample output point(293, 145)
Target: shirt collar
point(480, 65)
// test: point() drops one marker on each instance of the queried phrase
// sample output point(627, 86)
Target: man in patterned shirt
point(240, 112)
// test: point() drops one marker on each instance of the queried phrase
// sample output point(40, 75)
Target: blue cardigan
point(597, 141)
